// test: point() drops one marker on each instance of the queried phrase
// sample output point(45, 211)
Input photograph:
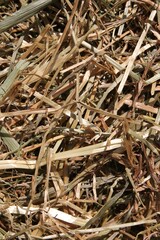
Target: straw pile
point(80, 98)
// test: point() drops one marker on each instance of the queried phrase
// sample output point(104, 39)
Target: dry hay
point(80, 98)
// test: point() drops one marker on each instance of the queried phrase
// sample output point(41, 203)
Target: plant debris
point(80, 119)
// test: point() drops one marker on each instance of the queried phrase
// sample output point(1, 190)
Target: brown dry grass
point(80, 119)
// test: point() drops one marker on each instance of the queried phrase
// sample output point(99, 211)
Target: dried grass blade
point(110, 60)
point(141, 139)
point(11, 143)
point(19, 164)
point(153, 79)
point(116, 226)
point(95, 148)
point(135, 53)
point(53, 212)
point(23, 14)
point(8, 83)
point(106, 206)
